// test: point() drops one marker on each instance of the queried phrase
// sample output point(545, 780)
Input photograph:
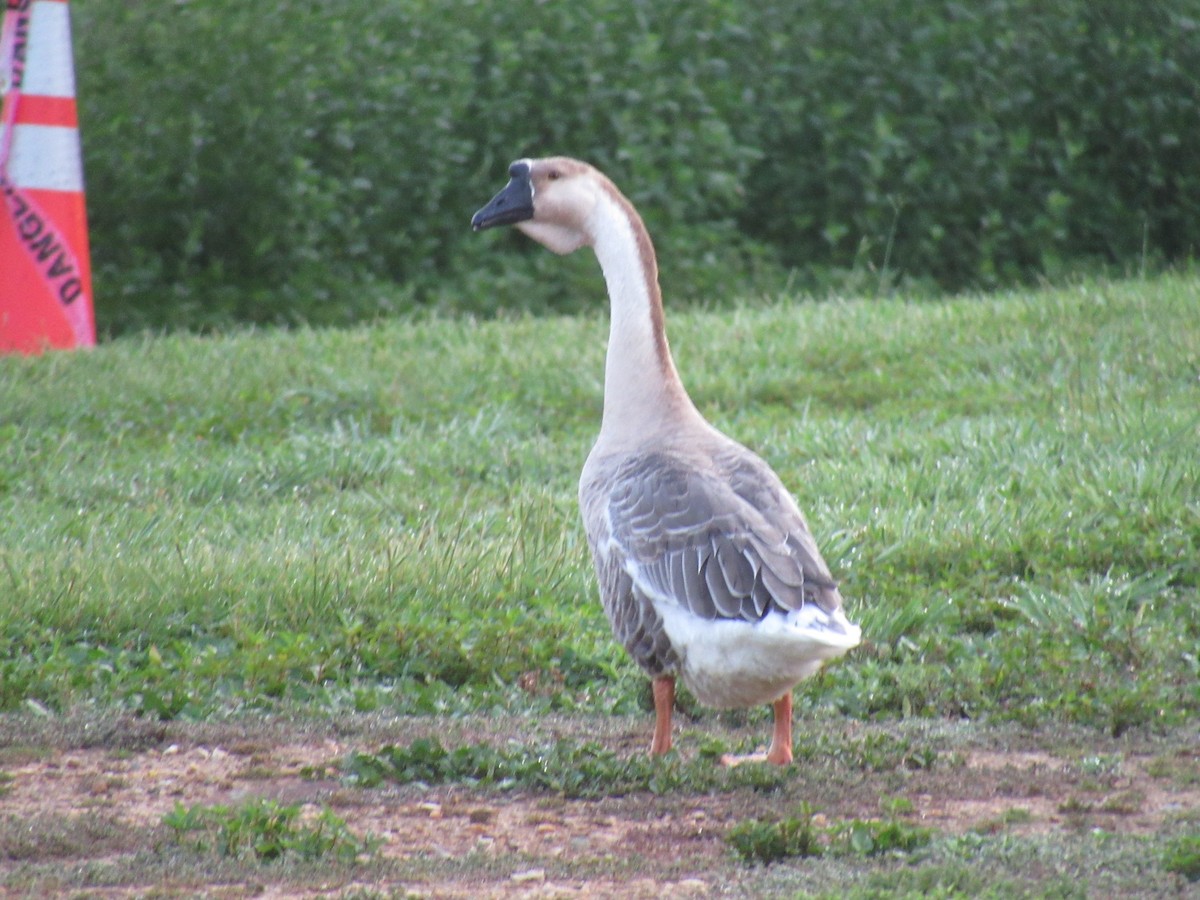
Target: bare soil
point(82, 802)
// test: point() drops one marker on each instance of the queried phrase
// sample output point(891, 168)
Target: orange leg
point(664, 701)
point(780, 752)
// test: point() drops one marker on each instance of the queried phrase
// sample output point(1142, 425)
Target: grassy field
point(382, 521)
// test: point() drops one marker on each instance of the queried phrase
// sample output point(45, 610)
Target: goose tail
point(829, 633)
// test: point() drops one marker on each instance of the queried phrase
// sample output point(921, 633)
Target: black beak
point(513, 204)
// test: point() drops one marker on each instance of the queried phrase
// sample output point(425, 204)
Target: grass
point(992, 867)
point(328, 523)
point(47, 837)
point(1007, 487)
point(406, 493)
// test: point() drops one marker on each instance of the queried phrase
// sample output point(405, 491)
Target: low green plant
point(767, 842)
point(567, 768)
point(874, 752)
point(263, 830)
point(52, 836)
point(896, 806)
point(875, 838)
point(1182, 856)
point(1017, 815)
point(770, 841)
point(1124, 803)
point(1182, 769)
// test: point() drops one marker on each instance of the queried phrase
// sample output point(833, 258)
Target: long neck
point(642, 390)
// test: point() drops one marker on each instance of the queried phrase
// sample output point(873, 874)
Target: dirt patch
point(458, 841)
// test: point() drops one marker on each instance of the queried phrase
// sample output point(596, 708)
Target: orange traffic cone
point(45, 268)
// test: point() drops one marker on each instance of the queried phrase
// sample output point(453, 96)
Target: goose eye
point(554, 175)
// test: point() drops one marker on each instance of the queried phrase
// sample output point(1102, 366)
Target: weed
point(43, 837)
point(1017, 815)
point(1074, 806)
point(896, 806)
point(257, 773)
point(875, 752)
point(263, 831)
point(21, 754)
point(567, 768)
point(1182, 769)
point(1124, 803)
point(1182, 856)
point(874, 838)
point(1109, 765)
point(768, 842)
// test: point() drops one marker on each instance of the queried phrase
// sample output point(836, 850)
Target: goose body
point(707, 569)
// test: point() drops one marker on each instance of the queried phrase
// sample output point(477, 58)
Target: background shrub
point(284, 162)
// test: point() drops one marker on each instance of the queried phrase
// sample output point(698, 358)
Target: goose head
point(550, 200)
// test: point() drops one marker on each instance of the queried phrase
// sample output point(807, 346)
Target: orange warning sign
point(45, 269)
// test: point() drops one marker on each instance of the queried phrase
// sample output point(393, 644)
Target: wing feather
point(688, 535)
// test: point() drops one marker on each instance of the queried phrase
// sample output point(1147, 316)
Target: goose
point(707, 569)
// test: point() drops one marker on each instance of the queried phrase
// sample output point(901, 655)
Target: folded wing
point(723, 542)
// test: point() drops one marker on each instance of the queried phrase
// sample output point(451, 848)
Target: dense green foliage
point(1006, 486)
point(290, 161)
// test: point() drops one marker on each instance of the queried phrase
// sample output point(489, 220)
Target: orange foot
point(780, 752)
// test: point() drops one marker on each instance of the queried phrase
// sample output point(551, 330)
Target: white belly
point(730, 663)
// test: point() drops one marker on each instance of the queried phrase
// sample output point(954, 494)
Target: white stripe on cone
point(49, 67)
point(46, 158)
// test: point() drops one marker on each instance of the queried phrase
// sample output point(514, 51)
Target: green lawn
point(271, 534)
point(1007, 486)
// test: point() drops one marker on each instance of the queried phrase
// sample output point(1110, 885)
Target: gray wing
point(724, 542)
point(635, 622)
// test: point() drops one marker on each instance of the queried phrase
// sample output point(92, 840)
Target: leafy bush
point(285, 161)
point(980, 142)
